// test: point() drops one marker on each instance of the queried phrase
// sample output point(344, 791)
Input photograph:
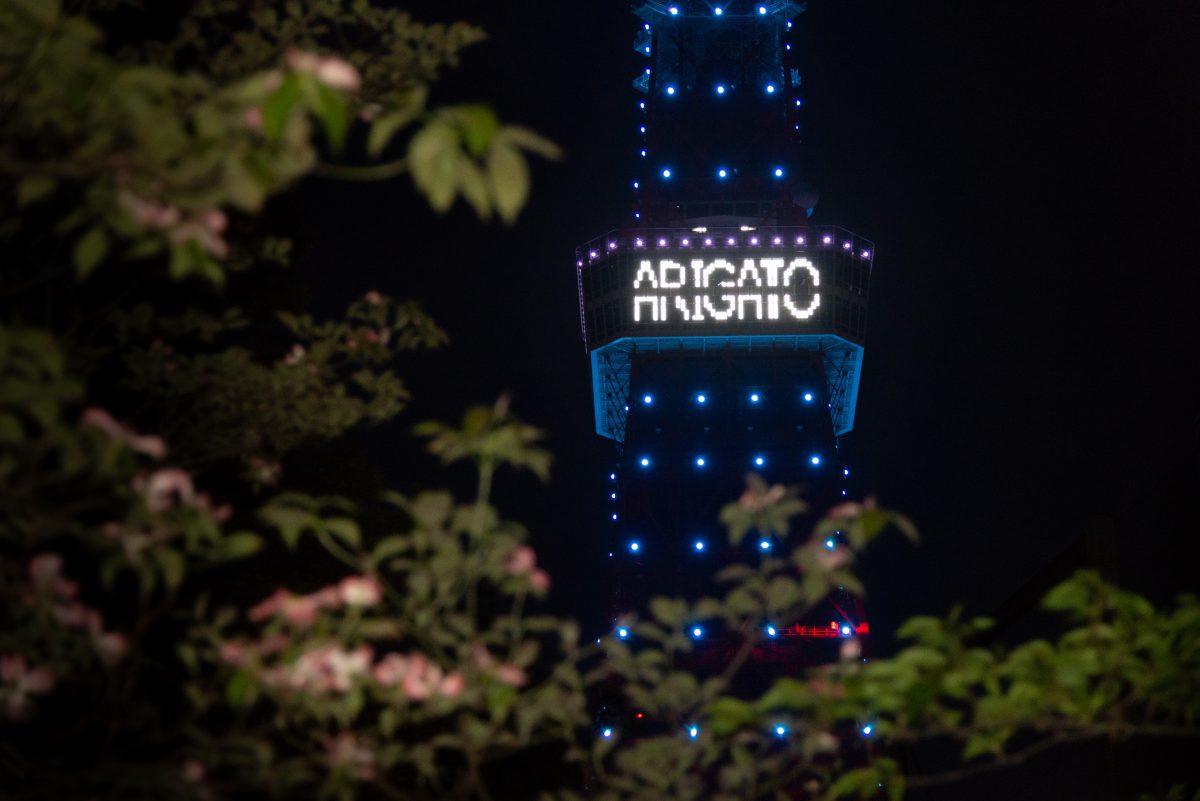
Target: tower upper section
point(720, 122)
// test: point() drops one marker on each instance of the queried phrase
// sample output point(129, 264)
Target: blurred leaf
point(90, 250)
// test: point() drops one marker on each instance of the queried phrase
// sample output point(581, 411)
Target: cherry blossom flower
point(146, 444)
point(299, 610)
point(148, 213)
point(851, 649)
point(332, 71)
point(254, 119)
point(346, 751)
point(390, 670)
point(164, 487)
point(359, 591)
point(507, 673)
point(192, 771)
point(111, 647)
point(373, 297)
point(523, 561)
point(45, 570)
point(753, 500)
point(295, 355)
point(20, 682)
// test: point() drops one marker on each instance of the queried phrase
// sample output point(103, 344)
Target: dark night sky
point(1027, 171)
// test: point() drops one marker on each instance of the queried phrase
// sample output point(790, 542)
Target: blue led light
point(637, 185)
point(845, 471)
point(697, 632)
point(612, 476)
point(693, 731)
point(613, 495)
point(642, 104)
point(607, 733)
point(635, 546)
point(642, 128)
point(781, 730)
point(647, 399)
point(778, 172)
point(808, 397)
point(764, 545)
point(670, 90)
point(720, 88)
point(754, 397)
point(673, 11)
point(644, 461)
point(623, 632)
point(698, 545)
point(866, 730)
point(647, 49)
point(759, 461)
point(722, 173)
point(666, 173)
point(830, 544)
point(770, 88)
point(643, 152)
point(846, 630)
point(718, 11)
point(762, 9)
point(700, 462)
point(701, 399)
point(771, 632)
point(614, 516)
point(816, 460)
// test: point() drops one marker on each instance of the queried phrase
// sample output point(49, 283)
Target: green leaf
point(237, 689)
point(509, 176)
point(528, 140)
point(34, 188)
point(90, 250)
point(726, 715)
point(278, 107)
point(386, 125)
point(291, 523)
point(433, 156)
point(479, 125)
point(241, 545)
point(345, 530)
point(173, 567)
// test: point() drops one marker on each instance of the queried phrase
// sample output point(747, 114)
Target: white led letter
point(748, 269)
point(664, 281)
point(725, 314)
point(741, 306)
point(720, 264)
point(644, 269)
point(698, 274)
point(804, 264)
point(638, 300)
point(681, 304)
point(772, 266)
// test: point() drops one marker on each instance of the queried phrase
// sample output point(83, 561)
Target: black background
point(1027, 171)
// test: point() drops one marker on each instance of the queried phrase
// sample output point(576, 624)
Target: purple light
point(708, 241)
point(731, 241)
point(592, 254)
point(799, 240)
point(866, 254)
point(612, 245)
point(579, 263)
point(637, 243)
point(777, 240)
point(754, 240)
point(662, 243)
point(827, 239)
point(846, 246)
point(685, 242)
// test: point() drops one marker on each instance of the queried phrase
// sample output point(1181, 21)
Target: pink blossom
point(327, 668)
point(164, 487)
point(148, 213)
point(851, 649)
point(453, 685)
point(145, 444)
point(845, 511)
point(301, 60)
point(295, 355)
point(345, 751)
point(755, 501)
point(832, 560)
point(192, 771)
point(45, 570)
point(233, 653)
point(373, 297)
point(511, 675)
point(214, 220)
point(539, 580)
point(299, 610)
point(360, 591)
point(522, 560)
point(23, 682)
point(390, 670)
point(338, 73)
point(254, 119)
point(111, 647)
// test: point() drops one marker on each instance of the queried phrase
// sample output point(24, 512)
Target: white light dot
point(808, 397)
point(815, 460)
point(701, 399)
point(700, 461)
point(645, 461)
point(635, 546)
point(666, 173)
point(764, 545)
point(698, 545)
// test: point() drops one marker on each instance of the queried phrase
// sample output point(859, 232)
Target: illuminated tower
point(724, 327)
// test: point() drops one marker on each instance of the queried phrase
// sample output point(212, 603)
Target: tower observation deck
point(724, 327)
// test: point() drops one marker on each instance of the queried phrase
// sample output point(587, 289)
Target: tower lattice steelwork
point(724, 327)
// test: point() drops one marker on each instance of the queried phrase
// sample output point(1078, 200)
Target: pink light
point(685, 242)
point(777, 240)
point(799, 240)
point(754, 240)
point(612, 245)
point(827, 239)
point(731, 241)
point(579, 263)
point(708, 241)
point(637, 243)
point(846, 246)
point(866, 254)
point(662, 243)
point(592, 254)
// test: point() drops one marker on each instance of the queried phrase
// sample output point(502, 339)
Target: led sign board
point(772, 288)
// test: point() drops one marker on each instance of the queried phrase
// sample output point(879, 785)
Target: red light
point(640, 716)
